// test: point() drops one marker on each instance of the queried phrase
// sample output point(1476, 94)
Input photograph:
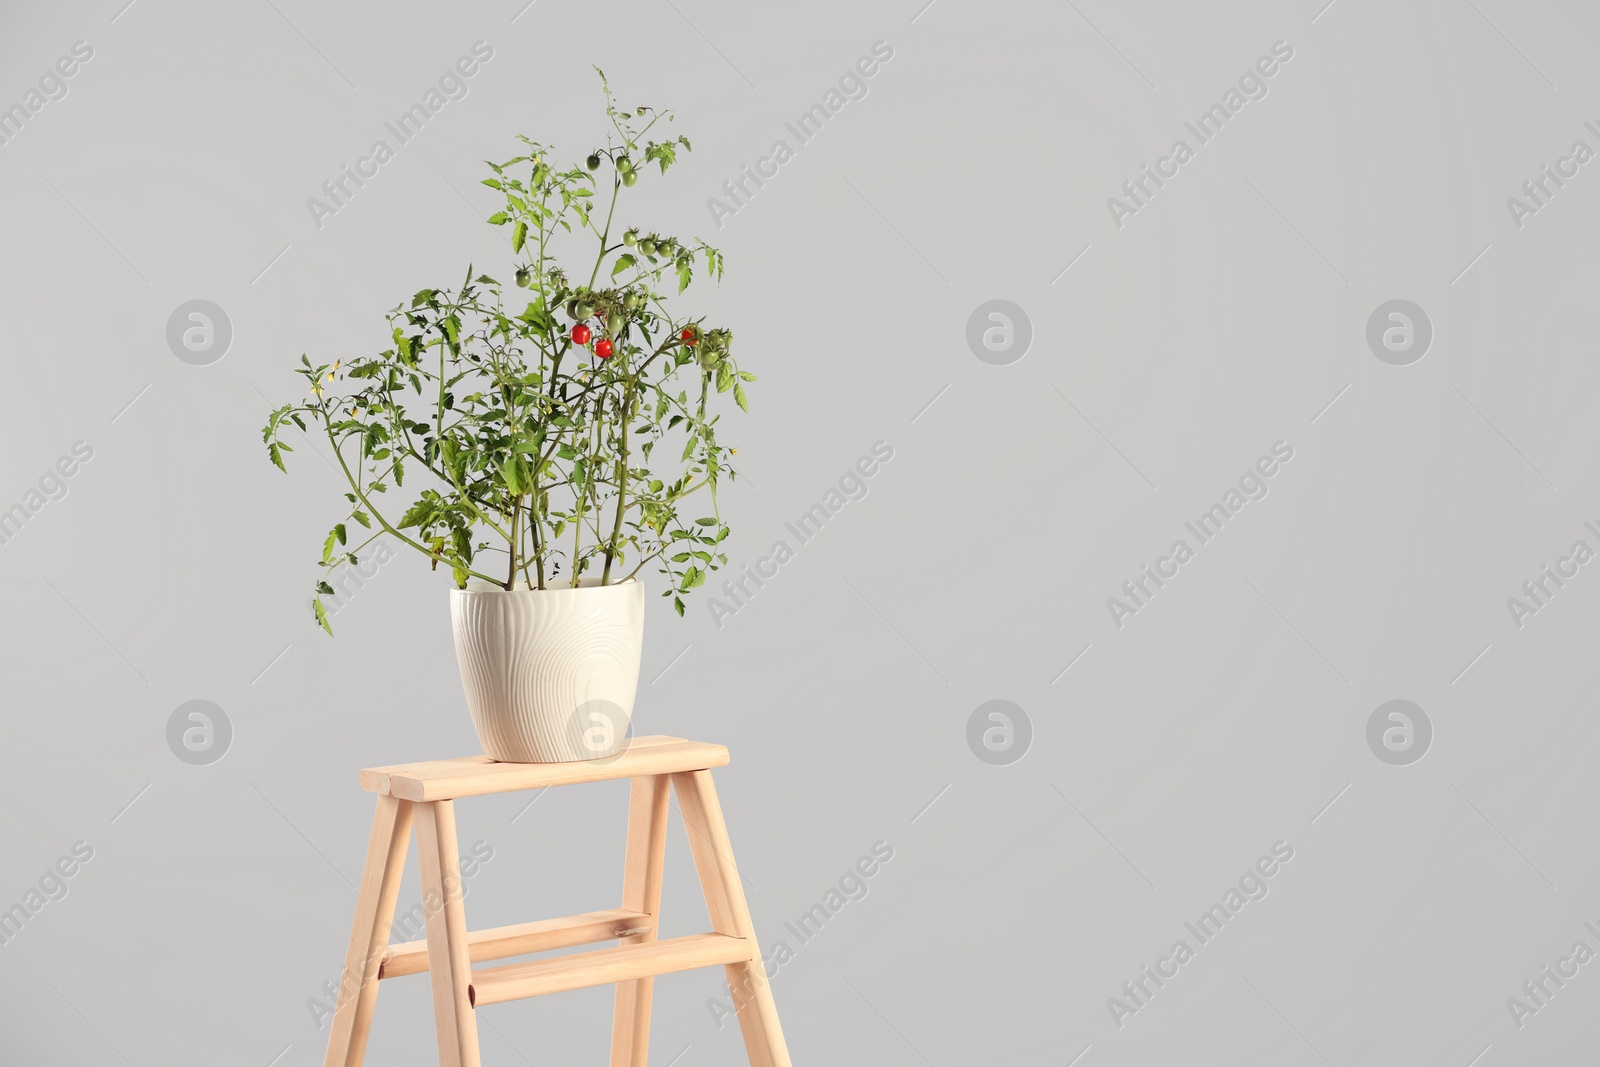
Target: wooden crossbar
point(523, 939)
point(517, 981)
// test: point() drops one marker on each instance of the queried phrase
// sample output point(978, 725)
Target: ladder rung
point(515, 981)
point(524, 938)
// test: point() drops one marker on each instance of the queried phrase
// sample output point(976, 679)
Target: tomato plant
point(511, 459)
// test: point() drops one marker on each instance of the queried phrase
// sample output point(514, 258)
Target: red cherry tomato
point(580, 334)
point(603, 348)
point(688, 337)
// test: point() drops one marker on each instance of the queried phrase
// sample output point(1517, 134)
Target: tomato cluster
point(657, 247)
point(601, 318)
point(625, 172)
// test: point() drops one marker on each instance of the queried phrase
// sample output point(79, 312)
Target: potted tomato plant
point(542, 445)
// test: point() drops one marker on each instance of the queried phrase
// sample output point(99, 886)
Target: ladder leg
point(641, 892)
point(369, 934)
point(719, 877)
point(449, 965)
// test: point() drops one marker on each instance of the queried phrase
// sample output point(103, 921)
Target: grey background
point(1227, 715)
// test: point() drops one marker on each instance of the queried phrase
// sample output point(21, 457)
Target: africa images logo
point(1252, 86)
point(1252, 486)
point(452, 85)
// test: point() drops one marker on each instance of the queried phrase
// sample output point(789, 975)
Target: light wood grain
point(449, 962)
point(419, 796)
point(479, 775)
point(369, 933)
point(517, 981)
point(730, 914)
point(522, 939)
point(648, 805)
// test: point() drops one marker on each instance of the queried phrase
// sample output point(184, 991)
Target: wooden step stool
point(427, 792)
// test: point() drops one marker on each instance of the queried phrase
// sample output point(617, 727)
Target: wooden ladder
point(424, 793)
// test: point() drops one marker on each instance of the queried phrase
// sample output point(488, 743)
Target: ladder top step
point(472, 776)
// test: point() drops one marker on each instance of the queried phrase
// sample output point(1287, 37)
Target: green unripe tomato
point(647, 246)
point(709, 358)
point(593, 162)
point(640, 112)
point(523, 278)
point(629, 177)
point(584, 310)
point(615, 322)
point(631, 238)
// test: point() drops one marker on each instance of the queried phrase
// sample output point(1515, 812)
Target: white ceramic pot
point(550, 675)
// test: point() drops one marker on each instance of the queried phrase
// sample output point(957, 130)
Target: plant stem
point(577, 533)
point(643, 561)
point(438, 422)
point(511, 575)
point(616, 184)
point(536, 521)
point(622, 486)
point(376, 514)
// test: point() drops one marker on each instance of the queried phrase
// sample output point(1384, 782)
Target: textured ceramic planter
point(550, 675)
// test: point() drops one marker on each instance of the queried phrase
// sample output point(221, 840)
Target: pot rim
point(586, 585)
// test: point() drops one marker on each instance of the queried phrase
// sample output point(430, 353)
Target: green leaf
point(519, 234)
point(738, 397)
point(419, 514)
point(324, 587)
point(492, 183)
point(499, 218)
point(677, 605)
point(339, 532)
point(327, 546)
point(321, 614)
point(705, 522)
point(515, 475)
point(361, 517)
point(624, 261)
